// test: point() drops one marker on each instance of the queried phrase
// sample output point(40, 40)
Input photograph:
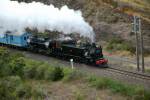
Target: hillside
point(110, 18)
point(138, 7)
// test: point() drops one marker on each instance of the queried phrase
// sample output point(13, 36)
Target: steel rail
point(130, 73)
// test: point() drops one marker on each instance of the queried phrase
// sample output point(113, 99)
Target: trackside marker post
point(71, 62)
point(137, 30)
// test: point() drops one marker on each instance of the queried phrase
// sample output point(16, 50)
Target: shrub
point(119, 44)
point(13, 88)
point(40, 71)
point(99, 83)
point(138, 93)
point(148, 70)
point(135, 92)
point(146, 95)
point(79, 96)
point(47, 74)
point(30, 72)
point(39, 92)
point(17, 66)
point(31, 68)
point(11, 63)
point(71, 75)
point(54, 74)
point(23, 91)
point(57, 74)
point(4, 61)
point(118, 87)
point(111, 2)
point(8, 86)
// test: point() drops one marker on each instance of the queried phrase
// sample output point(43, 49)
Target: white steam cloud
point(16, 16)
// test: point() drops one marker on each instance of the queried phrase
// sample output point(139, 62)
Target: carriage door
point(7, 39)
point(11, 39)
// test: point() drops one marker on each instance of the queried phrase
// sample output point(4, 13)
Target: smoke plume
point(16, 16)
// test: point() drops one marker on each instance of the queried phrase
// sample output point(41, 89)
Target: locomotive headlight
point(47, 44)
point(28, 40)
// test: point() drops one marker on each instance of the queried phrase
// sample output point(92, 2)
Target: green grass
point(79, 96)
point(71, 75)
point(136, 92)
point(116, 44)
point(148, 70)
point(13, 82)
point(13, 88)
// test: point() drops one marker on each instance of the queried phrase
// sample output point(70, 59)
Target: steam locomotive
point(65, 48)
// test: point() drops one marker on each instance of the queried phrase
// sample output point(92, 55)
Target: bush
point(57, 74)
point(13, 88)
point(119, 44)
point(23, 91)
point(148, 70)
point(17, 66)
point(47, 74)
point(99, 83)
point(135, 92)
point(54, 74)
point(31, 68)
point(40, 71)
point(8, 86)
point(71, 75)
point(5, 69)
point(11, 63)
point(30, 72)
point(146, 95)
point(79, 96)
point(39, 92)
point(118, 87)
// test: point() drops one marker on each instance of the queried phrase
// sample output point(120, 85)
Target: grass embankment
point(118, 44)
point(17, 72)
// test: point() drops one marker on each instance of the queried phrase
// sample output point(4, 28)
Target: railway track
point(130, 73)
point(125, 59)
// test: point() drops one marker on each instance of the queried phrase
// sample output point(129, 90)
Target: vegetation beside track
point(17, 73)
point(118, 44)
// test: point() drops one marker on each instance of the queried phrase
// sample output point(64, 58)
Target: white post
point(71, 62)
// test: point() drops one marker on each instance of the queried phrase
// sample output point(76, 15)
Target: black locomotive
point(70, 49)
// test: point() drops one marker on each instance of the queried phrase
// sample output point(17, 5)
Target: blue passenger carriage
point(15, 39)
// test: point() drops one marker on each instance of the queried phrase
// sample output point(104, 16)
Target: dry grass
point(137, 7)
point(74, 91)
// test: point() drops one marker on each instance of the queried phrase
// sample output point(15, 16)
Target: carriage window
point(25, 38)
point(11, 37)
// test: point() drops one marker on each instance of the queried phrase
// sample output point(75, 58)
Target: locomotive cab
point(96, 56)
point(100, 60)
